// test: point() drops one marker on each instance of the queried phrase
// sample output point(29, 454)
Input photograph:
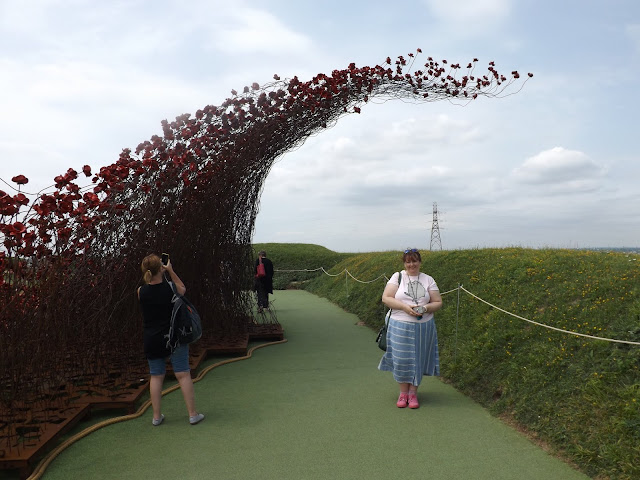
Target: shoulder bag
point(381, 339)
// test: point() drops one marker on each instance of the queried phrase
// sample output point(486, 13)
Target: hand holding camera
point(166, 264)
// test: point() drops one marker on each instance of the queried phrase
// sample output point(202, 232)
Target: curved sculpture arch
point(69, 260)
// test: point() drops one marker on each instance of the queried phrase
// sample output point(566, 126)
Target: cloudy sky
point(555, 165)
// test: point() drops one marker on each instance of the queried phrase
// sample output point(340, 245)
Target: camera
point(419, 310)
point(165, 258)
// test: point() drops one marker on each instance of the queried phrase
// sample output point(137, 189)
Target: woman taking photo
point(412, 340)
point(155, 300)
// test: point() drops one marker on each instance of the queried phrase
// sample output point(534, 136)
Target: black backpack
point(185, 326)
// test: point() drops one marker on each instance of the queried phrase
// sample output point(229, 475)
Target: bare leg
point(186, 385)
point(404, 387)
point(155, 389)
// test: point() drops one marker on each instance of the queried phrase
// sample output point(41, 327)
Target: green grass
point(579, 396)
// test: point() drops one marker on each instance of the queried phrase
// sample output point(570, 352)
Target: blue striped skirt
point(412, 351)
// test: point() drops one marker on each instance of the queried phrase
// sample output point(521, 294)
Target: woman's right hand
point(174, 277)
point(410, 310)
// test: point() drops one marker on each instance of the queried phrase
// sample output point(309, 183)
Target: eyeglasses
point(411, 250)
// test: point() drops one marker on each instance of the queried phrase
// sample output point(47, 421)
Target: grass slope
point(579, 396)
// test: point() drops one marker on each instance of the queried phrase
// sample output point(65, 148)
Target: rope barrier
point(548, 326)
point(370, 281)
point(450, 291)
point(461, 288)
point(306, 270)
point(42, 466)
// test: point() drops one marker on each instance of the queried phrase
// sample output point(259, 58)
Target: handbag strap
point(388, 316)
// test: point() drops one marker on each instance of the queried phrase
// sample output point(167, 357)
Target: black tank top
point(155, 302)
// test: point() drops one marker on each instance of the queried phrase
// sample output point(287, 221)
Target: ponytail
point(151, 265)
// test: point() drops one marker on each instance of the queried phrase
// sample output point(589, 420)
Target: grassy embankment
point(578, 396)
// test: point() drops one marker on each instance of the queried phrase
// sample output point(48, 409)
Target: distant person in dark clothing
point(263, 284)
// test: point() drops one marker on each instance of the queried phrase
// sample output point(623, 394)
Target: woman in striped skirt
point(412, 340)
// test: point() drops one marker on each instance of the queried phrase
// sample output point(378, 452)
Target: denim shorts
point(179, 362)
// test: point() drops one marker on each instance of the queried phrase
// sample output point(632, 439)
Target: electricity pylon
point(435, 229)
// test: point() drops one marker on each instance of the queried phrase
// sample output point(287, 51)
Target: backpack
point(260, 271)
point(185, 326)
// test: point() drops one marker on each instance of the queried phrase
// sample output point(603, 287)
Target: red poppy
point(27, 250)
point(91, 198)
point(71, 174)
point(60, 181)
point(21, 199)
point(64, 234)
point(18, 229)
point(7, 208)
point(65, 206)
point(81, 209)
point(20, 179)
point(86, 221)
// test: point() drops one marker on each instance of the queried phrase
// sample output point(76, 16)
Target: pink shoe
point(413, 400)
point(402, 400)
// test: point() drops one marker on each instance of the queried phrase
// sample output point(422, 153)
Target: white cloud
point(570, 168)
point(462, 11)
point(82, 79)
point(633, 32)
point(381, 160)
point(431, 130)
point(252, 30)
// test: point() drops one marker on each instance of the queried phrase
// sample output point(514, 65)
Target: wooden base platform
point(29, 440)
point(25, 440)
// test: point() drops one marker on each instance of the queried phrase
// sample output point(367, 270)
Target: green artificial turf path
point(315, 407)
